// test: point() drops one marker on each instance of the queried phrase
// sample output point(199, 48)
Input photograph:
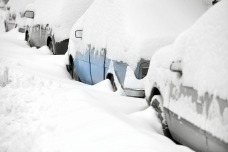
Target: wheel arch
point(111, 77)
point(154, 91)
point(71, 60)
point(26, 35)
point(49, 39)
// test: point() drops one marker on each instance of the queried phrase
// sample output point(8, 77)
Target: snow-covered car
point(15, 14)
point(187, 83)
point(9, 21)
point(116, 39)
point(2, 4)
point(50, 21)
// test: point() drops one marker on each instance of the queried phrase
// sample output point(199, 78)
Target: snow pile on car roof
point(203, 50)
point(59, 14)
point(134, 29)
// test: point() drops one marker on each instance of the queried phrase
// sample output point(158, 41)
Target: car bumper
point(21, 30)
point(139, 93)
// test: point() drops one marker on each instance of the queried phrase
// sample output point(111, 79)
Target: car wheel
point(51, 47)
point(112, 80)
point(26, 36)
point(157, 104)
point(6, 28)
point(75, 76)
point(72, 70)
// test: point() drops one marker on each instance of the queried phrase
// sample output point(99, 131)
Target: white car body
point(190, 77)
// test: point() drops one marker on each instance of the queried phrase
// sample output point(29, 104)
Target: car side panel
point(9, 25)
point(34, 36)
point(97, 62)
point(120, 69)
point(82, 67)
point(43, 36)
point(185, 131)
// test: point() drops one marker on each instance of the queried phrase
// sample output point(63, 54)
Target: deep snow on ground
point(43, 110)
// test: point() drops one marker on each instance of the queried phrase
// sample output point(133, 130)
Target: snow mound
point(44, 50)
point(104, 85)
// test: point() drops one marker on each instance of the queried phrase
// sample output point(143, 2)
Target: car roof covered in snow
point(138, 26)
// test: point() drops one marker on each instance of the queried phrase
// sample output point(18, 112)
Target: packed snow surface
point(134, 29)
point(60, 15)
point(43, 110)
point(202, 50)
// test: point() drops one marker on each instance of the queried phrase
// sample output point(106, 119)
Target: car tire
point(112, 80)
point(51, 47)
point(72, 70)
point(157, 104)
point(6, 29)
point(74, 75)
point(26, 36)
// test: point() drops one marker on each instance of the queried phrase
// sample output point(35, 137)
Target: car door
point(82, 65)
point(43, 36)
point(35, 35)
point(97, 65)
point(185, 106)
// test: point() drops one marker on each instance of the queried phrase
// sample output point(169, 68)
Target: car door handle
point(176, 66)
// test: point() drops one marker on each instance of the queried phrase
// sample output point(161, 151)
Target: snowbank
point(134, 29)
point(59, 14)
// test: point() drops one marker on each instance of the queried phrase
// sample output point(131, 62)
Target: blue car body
point(92, 66)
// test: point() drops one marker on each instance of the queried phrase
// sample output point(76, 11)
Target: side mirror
point(176, 66)
point(78, 34)
point(29, 14)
